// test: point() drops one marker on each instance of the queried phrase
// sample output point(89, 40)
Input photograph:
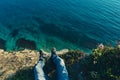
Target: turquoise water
point(73, 24)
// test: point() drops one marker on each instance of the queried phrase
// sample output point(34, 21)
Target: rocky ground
point(10, 62)
point(102, 64)
point(14, 61)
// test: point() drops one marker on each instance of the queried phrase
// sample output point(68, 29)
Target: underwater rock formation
point(23, 43)
point(2, 44)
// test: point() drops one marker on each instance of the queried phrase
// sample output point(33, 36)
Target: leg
point(61, 69)
point(62, 73)
point(38, 70)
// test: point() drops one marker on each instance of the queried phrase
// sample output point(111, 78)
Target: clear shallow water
point(73, 24)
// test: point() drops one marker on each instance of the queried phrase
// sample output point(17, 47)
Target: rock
point(119, 46)
point(1, 51)
point(63, 51)
point(10, 62)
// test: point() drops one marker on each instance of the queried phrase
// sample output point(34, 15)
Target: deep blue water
point(73, 24)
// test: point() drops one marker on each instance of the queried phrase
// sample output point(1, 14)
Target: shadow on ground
point(24, 74)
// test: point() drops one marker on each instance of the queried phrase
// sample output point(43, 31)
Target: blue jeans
point(62, 73)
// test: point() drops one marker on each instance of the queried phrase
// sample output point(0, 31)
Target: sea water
point(72, 24)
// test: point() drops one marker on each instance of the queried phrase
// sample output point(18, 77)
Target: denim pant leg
point(38, 71)
point(62, 73)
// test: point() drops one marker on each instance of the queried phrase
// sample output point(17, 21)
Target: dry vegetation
point(100, 65)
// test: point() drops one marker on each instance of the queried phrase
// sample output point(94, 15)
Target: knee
point(59, 61)
point(36, 67)
point(62, 62)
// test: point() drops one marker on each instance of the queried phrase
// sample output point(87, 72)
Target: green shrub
point(105, 63)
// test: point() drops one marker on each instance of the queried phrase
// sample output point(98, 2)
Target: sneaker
point(53, 52)
point(44, 55)
point(41, 55)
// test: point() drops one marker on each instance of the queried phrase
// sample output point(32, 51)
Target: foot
point(44, 55)
point(53, 52)
point(41, 55)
